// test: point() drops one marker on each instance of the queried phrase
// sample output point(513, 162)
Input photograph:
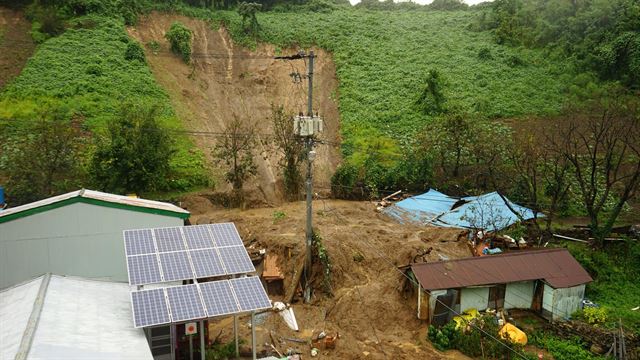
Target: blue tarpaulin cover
point(488, 211)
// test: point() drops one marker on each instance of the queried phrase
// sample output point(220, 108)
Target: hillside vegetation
point(383, 58)
point(86, 74)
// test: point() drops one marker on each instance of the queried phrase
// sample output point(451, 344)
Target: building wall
point(566, 301)
point(519, 295)
point(78, 239)
point(477, 297)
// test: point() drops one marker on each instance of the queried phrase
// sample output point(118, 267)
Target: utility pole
point(307, 127)
point(309, 141)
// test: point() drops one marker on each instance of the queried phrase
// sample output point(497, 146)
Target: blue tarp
point(487, 211)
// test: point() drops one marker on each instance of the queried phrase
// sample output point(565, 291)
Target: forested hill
point(401, 68)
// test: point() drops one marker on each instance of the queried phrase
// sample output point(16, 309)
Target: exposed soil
point(367, 308)
point(227, 81)
point(16, 45)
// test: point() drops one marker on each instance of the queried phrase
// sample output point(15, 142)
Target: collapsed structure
point(491, 211)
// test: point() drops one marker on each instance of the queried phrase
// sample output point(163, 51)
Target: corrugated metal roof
point(96, 196)
point(555, 266)
point(488, 211)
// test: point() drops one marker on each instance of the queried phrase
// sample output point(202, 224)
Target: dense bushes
point(615, 286)
point(179, 37)
point(603, 36)
point(477, 339)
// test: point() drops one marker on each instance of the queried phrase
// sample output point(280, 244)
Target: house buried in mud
point(548, 281)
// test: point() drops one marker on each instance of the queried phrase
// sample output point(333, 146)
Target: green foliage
point(45, 159)
point(382, 58)
point(248, 11)
point(615, 286)
point(322, 255)
point(86, 70)
point(560, 349)
point(224, 351)
point(292, 151)
point(134, 52)
point(432, 99)
point(593, 315)
point(601, 36)
point(180, 38)
point(448, 5)
point(135, 156)
point(477, 340)
point(234, 151)
point(278, 215)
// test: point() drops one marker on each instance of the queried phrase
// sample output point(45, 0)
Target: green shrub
point(179, 37)
point(134, 52)
point(484, 53)
point(594, 315)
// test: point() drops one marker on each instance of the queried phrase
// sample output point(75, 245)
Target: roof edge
point(82, 199)
point(34, 318)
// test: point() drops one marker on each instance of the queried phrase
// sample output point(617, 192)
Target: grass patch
point(615, 286)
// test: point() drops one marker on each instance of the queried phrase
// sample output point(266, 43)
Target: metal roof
point(58, 317)
point(489, 211)
point(96, 198)
point(555, 266)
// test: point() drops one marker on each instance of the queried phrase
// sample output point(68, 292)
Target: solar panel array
point(198, 301)
point(180, 253)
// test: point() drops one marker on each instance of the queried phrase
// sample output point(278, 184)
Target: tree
point(248, 13)
point(234, 150)
point(466, 150)
point(135, 155)
point(432, 100)
point(46, 161)
point(540, 174)
point(602, 145)
point(292, 150)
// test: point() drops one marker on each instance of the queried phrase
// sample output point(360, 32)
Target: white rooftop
point(58, 317)
point(96, 195)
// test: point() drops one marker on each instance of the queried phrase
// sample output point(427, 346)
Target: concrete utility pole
point(307, 127)
point(309, 146)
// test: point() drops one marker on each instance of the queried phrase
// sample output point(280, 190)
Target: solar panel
point(185, 303)
point(218, 298)
point(175, 266)
point(250, 293)
point(198, 237)
point(206, 263)
point(137, 242)
point(149, 308)
point(236, 260)
point(225, 234)
point(143, 269)
point(169, 239)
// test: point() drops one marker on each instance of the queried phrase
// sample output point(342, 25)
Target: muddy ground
point(227, 81)
point(16, 45)
point(367, 308)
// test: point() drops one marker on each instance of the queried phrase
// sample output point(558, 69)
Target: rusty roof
point(555, 266)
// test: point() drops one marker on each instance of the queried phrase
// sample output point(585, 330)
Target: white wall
point(519, 295)
point(566, 301)
point(77, 239)
point(477, 298)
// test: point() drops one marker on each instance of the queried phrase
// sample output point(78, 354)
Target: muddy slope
point(16, 45)
point(227, 81)
point(374, 319)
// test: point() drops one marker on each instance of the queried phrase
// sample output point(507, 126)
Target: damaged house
point(491, 211)
point(550, 282)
